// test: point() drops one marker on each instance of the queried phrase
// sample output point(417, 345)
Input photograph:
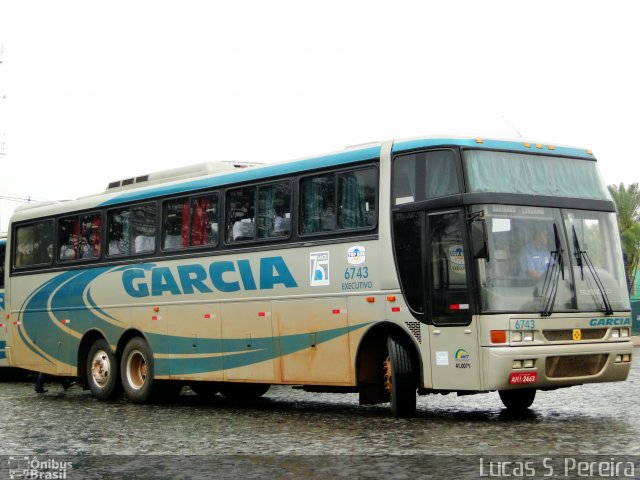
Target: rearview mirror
point(479, 239)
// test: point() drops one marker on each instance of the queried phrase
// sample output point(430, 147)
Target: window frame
point(14, 244)
point(336, 172)
point(106, 236)
point(256, 196)
point(161, 237)
point(58, 244)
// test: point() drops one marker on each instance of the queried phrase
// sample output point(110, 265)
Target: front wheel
point(136, 370)
point(517, 400)
point(400, 380)
point(102, 371)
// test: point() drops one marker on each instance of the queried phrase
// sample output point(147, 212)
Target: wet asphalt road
point(288, 425)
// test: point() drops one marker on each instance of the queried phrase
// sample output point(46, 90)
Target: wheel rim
point(136, 370)
point(100, 368)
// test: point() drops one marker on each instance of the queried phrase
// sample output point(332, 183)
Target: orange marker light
point(498, 336)
point(156, 309)
point(391, 298)
point(371, 299)
point(479, 140)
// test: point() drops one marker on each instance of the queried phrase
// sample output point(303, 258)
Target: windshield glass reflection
point(534, 267)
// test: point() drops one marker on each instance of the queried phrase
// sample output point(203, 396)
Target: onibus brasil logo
point(34, 468)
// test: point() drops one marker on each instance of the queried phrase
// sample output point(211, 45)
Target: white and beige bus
point(430, 265)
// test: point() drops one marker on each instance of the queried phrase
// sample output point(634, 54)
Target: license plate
point(577, 334)
point(522, 378)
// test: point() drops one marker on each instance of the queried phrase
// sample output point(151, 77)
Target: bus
point(390, 270)
point(3, 327)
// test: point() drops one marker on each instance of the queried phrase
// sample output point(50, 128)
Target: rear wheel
point(136, 370)
point(102, 371)
point(518, 400)
point(400, 380)
point(244, 391)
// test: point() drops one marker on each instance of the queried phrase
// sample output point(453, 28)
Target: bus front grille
point(565, 335)
point(574, 365)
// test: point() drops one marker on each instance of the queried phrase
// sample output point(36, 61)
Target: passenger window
point(241, 214)
point(317, 204)
point(204, 221)
point(274, 210)
point(190, 222)
point(132, 230)
point(352, 206)
point(34, 245)
point(357, 199)
point(79, 237)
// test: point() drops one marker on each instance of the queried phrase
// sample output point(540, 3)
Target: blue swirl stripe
point(67, 296)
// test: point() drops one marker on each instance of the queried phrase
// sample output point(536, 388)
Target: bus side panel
point(248, 343)
point(195, 341)
point(313, 341)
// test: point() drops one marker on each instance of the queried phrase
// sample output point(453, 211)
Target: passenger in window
point(69, 250)
point(281, 224)
point(327, 218)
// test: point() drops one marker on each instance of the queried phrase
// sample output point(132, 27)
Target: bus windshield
point(551, 260)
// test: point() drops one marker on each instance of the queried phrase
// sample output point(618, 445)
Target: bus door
point(453, 334)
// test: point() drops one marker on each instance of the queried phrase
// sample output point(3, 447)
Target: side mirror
point(479, 239)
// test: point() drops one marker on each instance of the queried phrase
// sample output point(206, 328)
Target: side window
point(317, 204)
point(132, 230)
point(338, 201)
point(241, 203)
point(79, 237)
point(190, 222)
point(424, 175)
point(204, 220)
point(357, 199)
point(274, 210)
point(34, 245)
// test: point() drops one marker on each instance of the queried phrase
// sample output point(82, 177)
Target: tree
point(627, 202)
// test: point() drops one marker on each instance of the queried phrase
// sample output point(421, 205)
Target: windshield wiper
point(555, 269)
point(582, 258)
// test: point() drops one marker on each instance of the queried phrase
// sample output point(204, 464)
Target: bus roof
point(213, 175)
point(519, 145)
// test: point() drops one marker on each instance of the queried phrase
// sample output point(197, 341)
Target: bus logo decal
point(356, 255)
point(319, 267)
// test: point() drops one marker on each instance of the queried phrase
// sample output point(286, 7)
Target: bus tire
point(244, 391)
point(517, 400)
point(136, 370)
point(400, 380)
point(102, 372)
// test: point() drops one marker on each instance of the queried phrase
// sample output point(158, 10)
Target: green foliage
point(627, 202)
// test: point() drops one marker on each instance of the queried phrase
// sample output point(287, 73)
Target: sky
point(94, 91)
